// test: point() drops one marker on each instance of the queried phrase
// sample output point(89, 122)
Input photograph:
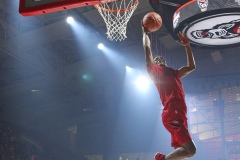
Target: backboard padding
point(37, 7)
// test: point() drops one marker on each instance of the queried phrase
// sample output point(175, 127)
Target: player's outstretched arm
point(147, 48)
point(184, 41)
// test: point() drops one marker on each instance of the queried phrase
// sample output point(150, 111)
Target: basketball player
point(174, 115)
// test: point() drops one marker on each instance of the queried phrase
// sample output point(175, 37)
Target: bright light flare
point(100, 46)
point(194, 109)
point(128, 68)
point(70, 20)
point(142, 82)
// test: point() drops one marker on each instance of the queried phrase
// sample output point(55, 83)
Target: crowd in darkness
point(12, 147)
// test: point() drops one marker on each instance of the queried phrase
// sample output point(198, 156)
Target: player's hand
point(144, 29)
point(184, 41)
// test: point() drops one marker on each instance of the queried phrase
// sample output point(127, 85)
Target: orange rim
point(188, 3)
point(115, 10)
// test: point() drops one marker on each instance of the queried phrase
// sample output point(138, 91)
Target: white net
point(238, 1)
point(116, 16)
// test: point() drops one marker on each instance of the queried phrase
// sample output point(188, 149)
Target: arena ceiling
point(42, 66)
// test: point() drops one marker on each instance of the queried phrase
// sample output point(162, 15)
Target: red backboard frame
point(55, 6)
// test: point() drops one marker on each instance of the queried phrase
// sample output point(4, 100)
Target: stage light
point(70, 20)
point(142, 82)
point(194, 109)
point(86, 77)
point(100, 46)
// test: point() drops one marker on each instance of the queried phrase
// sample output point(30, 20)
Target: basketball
point(152, 22)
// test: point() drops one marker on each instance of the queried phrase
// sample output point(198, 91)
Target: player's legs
point(175, 121)
point(181, 141)
point(187, 150)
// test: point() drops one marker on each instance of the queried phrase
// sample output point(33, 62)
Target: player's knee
point(192, 151)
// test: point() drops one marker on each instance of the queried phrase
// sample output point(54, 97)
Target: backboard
point(37, 7)
point(208, 24)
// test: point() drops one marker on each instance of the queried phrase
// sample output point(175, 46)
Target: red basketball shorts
point(174, 118)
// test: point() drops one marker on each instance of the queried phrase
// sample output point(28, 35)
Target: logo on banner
point(203, 4)
point(219, 31)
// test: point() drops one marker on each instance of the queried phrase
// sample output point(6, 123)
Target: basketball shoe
point(159, 156)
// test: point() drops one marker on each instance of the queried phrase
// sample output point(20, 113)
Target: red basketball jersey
point(167, 81)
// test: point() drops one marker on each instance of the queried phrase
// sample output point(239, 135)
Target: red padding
point(55, 6)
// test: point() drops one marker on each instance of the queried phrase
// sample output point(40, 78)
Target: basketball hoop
point(116, 15)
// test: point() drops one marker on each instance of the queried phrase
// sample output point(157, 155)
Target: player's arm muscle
point(147, 49)
point(185, 70)
point(184, 41)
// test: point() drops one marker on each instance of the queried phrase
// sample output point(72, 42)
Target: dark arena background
point(62, 98)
